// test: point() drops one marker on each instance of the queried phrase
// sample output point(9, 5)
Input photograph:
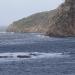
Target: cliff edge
point(63, 22)
point(58, 22)
point(38, 22)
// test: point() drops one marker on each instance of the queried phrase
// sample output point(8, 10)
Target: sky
point(12, 10)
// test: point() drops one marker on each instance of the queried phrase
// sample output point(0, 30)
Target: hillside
point(58, 22)
point(63, 23)
point(38, 22)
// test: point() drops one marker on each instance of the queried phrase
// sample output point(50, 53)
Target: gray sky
point(11, 10)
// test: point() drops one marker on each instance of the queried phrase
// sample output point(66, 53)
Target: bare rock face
point(38, 22)
point(58, 22)
point(63, 22)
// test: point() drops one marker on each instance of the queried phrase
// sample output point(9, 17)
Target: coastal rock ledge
point(58, 22)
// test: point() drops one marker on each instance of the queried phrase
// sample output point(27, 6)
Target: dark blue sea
point(36, 54)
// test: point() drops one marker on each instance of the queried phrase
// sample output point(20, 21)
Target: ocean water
point(36, 54)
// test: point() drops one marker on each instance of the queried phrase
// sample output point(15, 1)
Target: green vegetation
point(38, 22)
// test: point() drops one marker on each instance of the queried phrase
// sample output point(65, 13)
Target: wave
point(29, 55)
point(7, 32)
point(11, 38)
point(42, 36)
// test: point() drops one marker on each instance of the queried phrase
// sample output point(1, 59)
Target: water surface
point(36, 54)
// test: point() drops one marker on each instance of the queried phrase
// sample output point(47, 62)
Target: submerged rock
point(23, 56)
point(3, 56)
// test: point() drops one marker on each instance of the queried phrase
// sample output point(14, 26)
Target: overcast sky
point(11, 10)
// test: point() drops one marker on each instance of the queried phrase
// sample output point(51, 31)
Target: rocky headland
point(57, 22)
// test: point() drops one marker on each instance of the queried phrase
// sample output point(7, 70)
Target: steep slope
point(63, 23)
point(58, 22)
point(38, 22)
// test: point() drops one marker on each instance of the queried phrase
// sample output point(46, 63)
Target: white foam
point(50, 55)
point(7, 32)
point(41, 36)
point(29, 55)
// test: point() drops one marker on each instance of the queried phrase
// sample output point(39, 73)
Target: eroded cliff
point(58, 22)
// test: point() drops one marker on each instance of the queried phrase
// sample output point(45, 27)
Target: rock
point(3, 56)
point(59, 22)
point(63, 22)
point(23, 56)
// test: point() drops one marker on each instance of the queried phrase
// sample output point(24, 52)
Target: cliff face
point(58, 22)
point(38, 22)
point(63, 22)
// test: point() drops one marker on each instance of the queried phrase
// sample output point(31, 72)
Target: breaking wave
point(29, 55)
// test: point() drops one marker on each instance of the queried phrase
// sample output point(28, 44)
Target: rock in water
point(24, 56)
point(63, 22)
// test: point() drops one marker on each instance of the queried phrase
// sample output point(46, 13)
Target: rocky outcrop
point(63, 22)
point(38, 22)
point(58, 22)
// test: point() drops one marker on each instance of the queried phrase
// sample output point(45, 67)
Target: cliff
point(58, 22)
point(63, 22)
point(38, 22)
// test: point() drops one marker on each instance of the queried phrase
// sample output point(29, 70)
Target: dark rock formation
point(63, 22)
point(24, 56)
